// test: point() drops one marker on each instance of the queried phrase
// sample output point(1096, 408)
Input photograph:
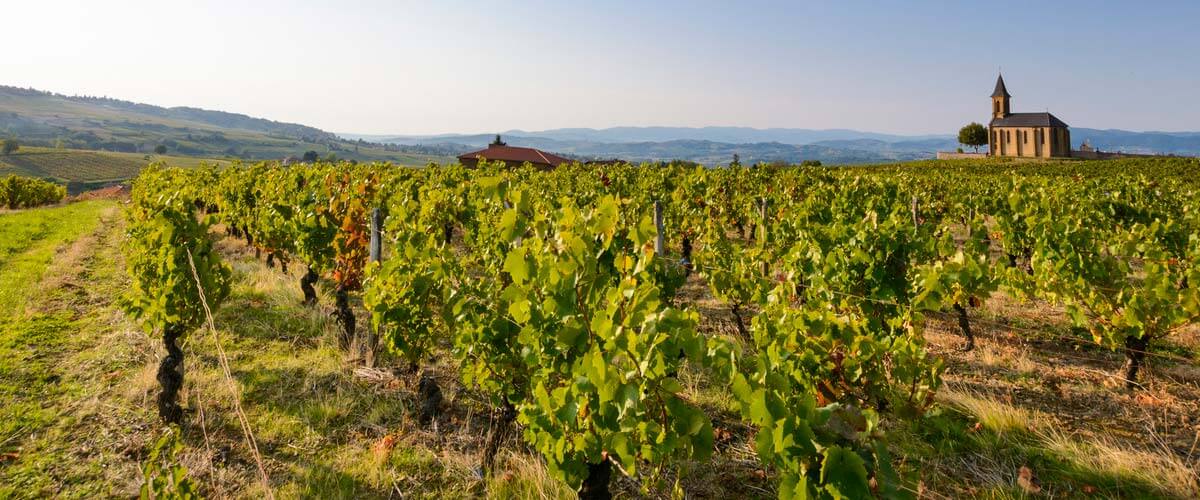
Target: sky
point(425, 67)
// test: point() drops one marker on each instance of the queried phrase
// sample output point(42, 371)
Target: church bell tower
point(1000, 100)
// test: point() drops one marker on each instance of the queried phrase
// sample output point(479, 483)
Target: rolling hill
point(61, 122)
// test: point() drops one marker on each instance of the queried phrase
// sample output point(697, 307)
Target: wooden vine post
point(376, 255)
point(660, 246)
point(913, 208)
point(762, 237)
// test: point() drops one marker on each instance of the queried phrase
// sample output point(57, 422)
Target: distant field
point(82, 170)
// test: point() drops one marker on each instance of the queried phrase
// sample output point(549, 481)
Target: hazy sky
point(910, 67)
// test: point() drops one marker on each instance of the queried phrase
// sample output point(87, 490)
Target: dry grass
point(1010, 437)
point(1154, 465)
point(994, 415)
point(1034, 394)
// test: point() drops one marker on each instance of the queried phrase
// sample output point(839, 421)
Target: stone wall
point(947, 155)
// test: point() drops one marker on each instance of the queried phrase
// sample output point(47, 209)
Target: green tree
point(160, 149)
point(973, 135)
point(311, 156)
point(10, 145)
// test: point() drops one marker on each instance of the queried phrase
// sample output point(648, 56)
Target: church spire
point(1000, 91)
point(1000, 100)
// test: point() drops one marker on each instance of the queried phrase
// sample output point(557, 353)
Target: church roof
point(1000, 90)
point(1028, 120)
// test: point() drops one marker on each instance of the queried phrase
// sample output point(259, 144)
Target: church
point(1026, 135)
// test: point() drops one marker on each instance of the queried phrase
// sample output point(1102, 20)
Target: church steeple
point(1000, 99)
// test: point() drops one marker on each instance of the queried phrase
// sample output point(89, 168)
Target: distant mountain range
point(717, 145)
point(736, 135)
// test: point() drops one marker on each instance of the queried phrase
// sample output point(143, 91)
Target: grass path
point(68, 427)
point(30, 240)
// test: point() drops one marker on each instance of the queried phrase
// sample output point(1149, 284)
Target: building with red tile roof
point(512, 156)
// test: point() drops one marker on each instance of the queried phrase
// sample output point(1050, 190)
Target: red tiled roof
point(515, 154)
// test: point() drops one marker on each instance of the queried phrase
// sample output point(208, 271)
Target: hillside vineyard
point(547, 291)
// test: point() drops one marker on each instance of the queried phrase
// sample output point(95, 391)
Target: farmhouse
point(1030, 135)
point(512, 156)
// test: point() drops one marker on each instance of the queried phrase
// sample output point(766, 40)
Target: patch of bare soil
point(114, 192)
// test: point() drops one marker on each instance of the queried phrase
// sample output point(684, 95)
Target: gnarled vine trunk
point(595, 486)
point(1135, 354)
point(502, 419)
point(306, 285)
point(170, 378)
point(344, 316)
point(431, 398)
point(736, 310)
point(1024, 262)
point(965, 326)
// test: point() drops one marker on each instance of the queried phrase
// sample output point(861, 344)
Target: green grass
point(62, 433)
point(30, 239)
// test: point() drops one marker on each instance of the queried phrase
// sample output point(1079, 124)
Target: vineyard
point(661, 331)
point(561, 300)
point(86, 169)
point(26, 192)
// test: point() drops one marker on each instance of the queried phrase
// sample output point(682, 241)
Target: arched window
point(996, 107)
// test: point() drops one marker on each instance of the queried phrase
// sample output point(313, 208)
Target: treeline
point(28, 192)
